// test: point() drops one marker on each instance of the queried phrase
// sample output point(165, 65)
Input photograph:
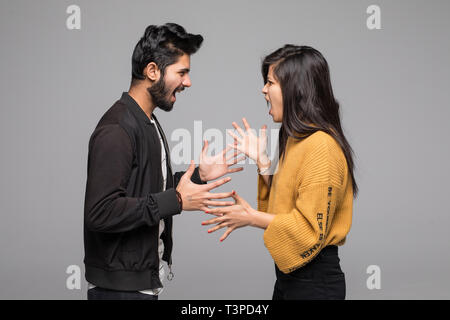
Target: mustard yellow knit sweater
point(311, 197)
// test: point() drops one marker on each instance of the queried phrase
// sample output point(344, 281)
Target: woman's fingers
point(225, 235)
point(236, 161)
point(239, 148)
point(246, 125)
point(235, 136)
point(215, 211)
point(239, 129)
point(219, 226)
point(237, 198)
point(263, 131)
point(236, 151)
point(212, 221)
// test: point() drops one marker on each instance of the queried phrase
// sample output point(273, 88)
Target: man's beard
point(161, 95)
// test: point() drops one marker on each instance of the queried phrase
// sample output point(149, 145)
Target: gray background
point(392, 85)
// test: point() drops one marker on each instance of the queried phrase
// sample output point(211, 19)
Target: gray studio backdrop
point(392, 84)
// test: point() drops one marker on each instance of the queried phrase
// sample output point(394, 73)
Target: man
point(131, 192)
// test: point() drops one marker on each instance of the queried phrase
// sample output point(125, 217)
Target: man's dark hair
point(162, 45)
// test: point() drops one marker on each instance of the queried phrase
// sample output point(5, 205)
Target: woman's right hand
point(250, 144)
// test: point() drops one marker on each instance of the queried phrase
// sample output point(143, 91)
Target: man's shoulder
point(115, 115)
point(117, 120)
point(119, 114)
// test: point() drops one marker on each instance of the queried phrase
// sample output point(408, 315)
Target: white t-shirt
point(157, 291)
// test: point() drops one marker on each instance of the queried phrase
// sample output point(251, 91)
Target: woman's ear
point(152, 72)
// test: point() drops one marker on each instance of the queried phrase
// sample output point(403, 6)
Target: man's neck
point(143, 99)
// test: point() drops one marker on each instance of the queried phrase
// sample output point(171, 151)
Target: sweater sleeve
point(294, 238)
point(263, 194)
point(108, 208)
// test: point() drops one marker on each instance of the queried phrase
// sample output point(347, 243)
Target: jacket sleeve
point(107, 207)
point(195, 177)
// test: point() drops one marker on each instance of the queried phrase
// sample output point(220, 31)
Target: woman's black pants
point(321, 279)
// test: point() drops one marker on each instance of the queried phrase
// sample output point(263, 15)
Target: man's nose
point(187, 81)
point(264, 89)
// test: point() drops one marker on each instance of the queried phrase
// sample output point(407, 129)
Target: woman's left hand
point(232, 217)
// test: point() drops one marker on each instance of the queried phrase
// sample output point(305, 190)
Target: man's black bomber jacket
point(124, 200)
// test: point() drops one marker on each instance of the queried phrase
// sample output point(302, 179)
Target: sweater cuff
point(263, 194)
point(168, 204)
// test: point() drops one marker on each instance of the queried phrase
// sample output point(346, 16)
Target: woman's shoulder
point(319, 140)
point(319, 147)
point(320, 153)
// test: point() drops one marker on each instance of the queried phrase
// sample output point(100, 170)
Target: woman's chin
point(275, 119)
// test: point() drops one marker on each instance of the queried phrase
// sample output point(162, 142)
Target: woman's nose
point(264, 89)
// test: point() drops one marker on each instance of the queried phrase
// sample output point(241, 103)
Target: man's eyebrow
point(184, 70)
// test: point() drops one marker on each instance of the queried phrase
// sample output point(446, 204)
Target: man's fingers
point(205, 147)
point(190, 170)
point(218, 203)
point(216, 184)
point(222, 195)
point(205, 208)
point(235, 170)
point(224, 151)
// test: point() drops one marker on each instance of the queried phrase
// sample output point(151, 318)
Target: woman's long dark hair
point(308, 101)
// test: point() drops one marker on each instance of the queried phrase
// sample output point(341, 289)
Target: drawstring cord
point(170, 276)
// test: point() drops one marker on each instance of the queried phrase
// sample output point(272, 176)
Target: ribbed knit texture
point(312, 199)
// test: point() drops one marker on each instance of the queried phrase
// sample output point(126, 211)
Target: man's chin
point(166, 107)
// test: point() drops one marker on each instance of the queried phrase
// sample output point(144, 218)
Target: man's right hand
point(197, 196)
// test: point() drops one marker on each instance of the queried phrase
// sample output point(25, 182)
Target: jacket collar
point(134, 107)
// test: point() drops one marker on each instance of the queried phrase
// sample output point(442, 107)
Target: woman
point(305, 207)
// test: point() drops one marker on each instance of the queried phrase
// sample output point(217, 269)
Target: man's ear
point(152, 72)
